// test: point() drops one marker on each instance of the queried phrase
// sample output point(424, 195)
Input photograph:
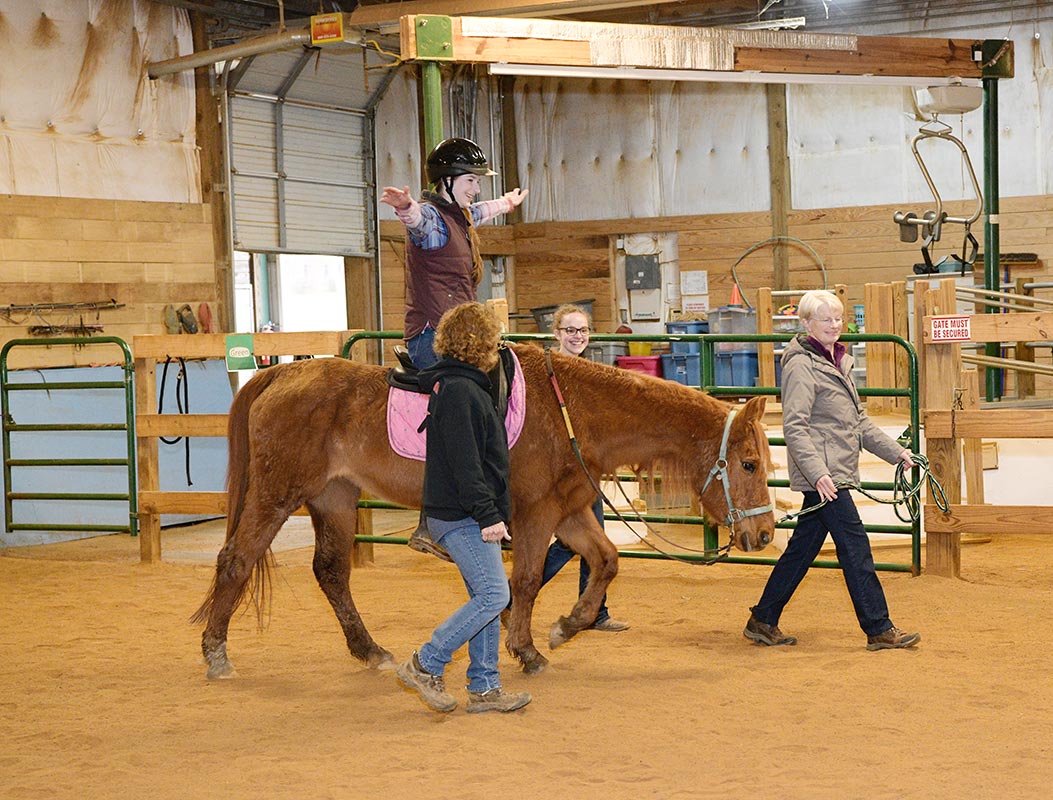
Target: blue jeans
point(422, 348)
point(841, 520)
point(557, 557)
point(476, 622)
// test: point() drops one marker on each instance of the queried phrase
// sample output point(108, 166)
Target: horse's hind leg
point(243, 552)
point(335, 517)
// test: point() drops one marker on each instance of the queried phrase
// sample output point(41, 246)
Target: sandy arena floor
point(104, 695)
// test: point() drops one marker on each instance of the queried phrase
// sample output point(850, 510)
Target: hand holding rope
point(904, 493)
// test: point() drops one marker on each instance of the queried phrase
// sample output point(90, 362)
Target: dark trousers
point(841, 520)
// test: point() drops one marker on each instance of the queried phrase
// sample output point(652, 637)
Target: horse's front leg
point(334, 514)
point(582, 533)
point(529, 547)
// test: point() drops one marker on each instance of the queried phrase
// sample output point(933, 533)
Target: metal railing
point(10, 426)
point(707, 341)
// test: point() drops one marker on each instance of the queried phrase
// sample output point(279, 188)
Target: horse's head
point(735, 491)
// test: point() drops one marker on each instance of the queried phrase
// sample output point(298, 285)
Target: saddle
point(404, 376)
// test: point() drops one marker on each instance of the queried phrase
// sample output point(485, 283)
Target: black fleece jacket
point(466, 465)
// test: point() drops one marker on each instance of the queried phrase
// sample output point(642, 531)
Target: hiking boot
point(431, 688)
point(766, 634)
point(611, 626)
point(892, 639)
point(496, 700)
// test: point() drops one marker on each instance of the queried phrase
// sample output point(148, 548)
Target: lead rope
point(904, 493)
point(718, 554)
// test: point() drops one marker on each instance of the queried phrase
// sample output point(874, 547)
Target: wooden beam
point(153, 425)
point(156, 503)
point(1019, 326)
point(989, 519)
point(874, 55)
point(600, 44)
point(202, 345)
point(993, 423)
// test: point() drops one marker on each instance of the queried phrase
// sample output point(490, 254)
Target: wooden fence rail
point(149, 425)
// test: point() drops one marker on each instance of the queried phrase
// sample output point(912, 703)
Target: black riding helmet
point(456, 156)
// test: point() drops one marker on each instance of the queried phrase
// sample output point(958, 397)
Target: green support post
point(434, 34)
point(431, 81)
point(992, 377)
point(997, 61)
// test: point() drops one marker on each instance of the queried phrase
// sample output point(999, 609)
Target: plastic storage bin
point(544, 315)
point(606, 352)
point(736, 369)
point(649, 365)
point(673, 328)
point(735, 320)
point(685, 368)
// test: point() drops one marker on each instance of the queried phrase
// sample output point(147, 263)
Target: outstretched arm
point(398, 199)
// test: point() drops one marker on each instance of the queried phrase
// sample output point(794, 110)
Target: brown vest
point(438, 280)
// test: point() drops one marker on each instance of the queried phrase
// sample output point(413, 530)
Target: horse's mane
point(618, 397)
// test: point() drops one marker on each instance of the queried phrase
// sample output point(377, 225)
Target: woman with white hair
point(825, 428)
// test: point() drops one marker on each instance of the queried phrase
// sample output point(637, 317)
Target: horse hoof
point(219, 666)
point(219, 672)
point(382, 661)
point(536, 665)
point(557, 634)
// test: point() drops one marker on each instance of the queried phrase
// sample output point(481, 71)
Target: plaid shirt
point(426, 228)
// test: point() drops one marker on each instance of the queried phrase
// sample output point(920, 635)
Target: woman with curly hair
point(467, 505)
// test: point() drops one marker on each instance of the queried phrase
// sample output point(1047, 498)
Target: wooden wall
point(555, 262)
point(66, 250)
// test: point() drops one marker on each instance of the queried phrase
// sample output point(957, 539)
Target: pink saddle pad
point(406, 411)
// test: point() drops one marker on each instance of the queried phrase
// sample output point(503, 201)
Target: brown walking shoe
point(766, 634)
point(892, 639)
point(431, 688)
point(496, 700)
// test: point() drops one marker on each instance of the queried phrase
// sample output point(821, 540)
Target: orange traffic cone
point(736, 296)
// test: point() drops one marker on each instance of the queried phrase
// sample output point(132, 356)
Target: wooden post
point(765, 350)
point(881, 367)
point(362, 552)
point(499, 306)
point(213, 177)
point(146, 459)
point(780, 184)
point(972, 448)
point(901, 327)
point(943, 367)
point(1025, 381)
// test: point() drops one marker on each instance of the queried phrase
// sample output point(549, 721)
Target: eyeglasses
point(574, 331)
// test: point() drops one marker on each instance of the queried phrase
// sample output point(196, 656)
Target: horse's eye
point(749, 466)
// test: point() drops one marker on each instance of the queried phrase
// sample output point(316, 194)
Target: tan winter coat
point(823, 422)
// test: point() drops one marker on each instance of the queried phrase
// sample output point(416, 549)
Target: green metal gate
point(9, 426)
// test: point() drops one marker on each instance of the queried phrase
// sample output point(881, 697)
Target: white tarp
point(78, 115)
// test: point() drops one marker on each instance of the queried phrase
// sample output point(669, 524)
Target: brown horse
point(314, 433)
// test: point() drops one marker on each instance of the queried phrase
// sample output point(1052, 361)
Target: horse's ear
point(754, 409)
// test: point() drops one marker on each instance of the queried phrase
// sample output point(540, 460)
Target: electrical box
point(646, 304)
point(642, 272)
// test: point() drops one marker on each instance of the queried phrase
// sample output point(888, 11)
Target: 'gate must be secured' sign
point(950, 329)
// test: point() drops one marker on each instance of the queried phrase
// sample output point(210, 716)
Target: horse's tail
point(237, 488)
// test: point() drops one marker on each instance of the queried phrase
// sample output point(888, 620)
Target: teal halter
point(720, 472)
